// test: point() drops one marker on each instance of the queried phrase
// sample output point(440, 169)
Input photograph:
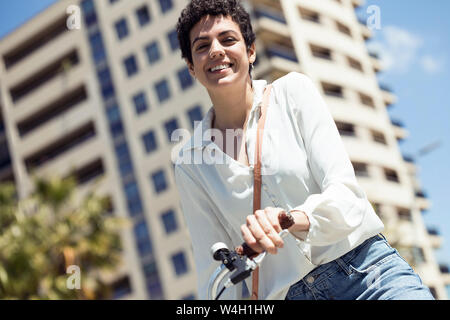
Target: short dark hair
point(197, 9)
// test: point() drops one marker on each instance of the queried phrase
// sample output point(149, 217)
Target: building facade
point(102, 101)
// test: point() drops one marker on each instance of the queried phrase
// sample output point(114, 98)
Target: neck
point(232, 106)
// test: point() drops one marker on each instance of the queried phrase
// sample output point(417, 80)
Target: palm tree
point(45, 233)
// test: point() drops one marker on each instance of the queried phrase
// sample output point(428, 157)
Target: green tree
point(50, 230)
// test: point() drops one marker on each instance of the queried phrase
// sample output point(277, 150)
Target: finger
point(259, 235)
point(250, 240)
point(265, 221)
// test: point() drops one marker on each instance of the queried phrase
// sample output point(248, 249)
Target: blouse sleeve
point(204, 229)
point(340, 207)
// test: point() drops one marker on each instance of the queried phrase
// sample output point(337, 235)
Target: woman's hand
point(262, 229)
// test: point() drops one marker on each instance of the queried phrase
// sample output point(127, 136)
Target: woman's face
point(219, 53)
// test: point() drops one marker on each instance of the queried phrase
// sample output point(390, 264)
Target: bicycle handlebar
point(286, 221)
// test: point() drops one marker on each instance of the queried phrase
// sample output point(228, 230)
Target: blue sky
point(414, 44)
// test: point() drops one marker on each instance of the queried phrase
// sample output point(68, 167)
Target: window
point(140, 102)
point(378, 137)
point(121, 28)
point(90, 16)
point(115, 122)
point(185, 78)
point(346, 129)
point(391, 175)
point(162, 90)
point(355, 64)
point(343, 29)
point(309, 15)
point(152, 51)
point(98, 50)
point(179, 263)
point(165, 5)
point(142, 238)
point(130, 65)
point(143, 15)
point(404, 214)
point(121, 287)
point(154, 288)
point(106, 84)
point(360, 169)
point(173, 40)
point(171, 126)
point(133, 198)
point(149, 141)
point(124, 159)
point(169, 221)
point(159, 181)
point(332, 90)
point(195, 114)
point(321, 52)
point(366, 100)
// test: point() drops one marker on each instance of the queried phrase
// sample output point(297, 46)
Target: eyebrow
point(206, 38)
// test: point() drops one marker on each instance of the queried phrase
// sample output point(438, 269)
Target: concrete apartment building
point(101, 102)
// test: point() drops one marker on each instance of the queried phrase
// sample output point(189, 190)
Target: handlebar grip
point(286, 221)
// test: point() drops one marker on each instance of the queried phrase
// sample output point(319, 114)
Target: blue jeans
point(372, 271)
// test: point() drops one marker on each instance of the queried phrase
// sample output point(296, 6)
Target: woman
point(335, 250)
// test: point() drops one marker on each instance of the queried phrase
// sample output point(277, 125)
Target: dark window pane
point(179, 263)
point(152, 51)
point(159, 181)
point(121, 28)
point(130, 65)
point(173, 40)
point(185, 78)
point(165, 5)
point(195, 114)
point(162, 90)
point(140, 102)
point(149, 141)
point(171, 126)
point(98, 50)
point(169, 221)
point(143, 15)
point(142, 238)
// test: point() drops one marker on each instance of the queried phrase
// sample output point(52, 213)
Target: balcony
point(387, 94)
point(366, 33)
point(399, 130)
point(375, 60)
point(435, 237)
point(281, 52)
point(264, 12)
point(422, 200)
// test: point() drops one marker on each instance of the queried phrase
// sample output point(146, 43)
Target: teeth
point(222, 66)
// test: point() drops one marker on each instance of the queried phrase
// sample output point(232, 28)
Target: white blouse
point(305, 167)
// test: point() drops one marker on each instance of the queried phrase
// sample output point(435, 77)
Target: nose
point(216, 50)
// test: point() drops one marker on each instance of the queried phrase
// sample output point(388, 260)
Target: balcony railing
point(444, 268)
point(397, 123)
point(282, 52)
point(266, 13)
point(385, 87)
point(433, 231)
point(421, 194)
point(408, 158)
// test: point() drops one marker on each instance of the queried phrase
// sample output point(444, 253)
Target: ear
point(251, 52)
point(190, 67)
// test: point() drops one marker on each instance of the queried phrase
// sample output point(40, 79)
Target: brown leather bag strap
point(257, 175)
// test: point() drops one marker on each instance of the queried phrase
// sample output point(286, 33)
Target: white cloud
point(431, 64)
point(398, 49)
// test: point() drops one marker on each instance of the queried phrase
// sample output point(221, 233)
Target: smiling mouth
point(220, 68)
